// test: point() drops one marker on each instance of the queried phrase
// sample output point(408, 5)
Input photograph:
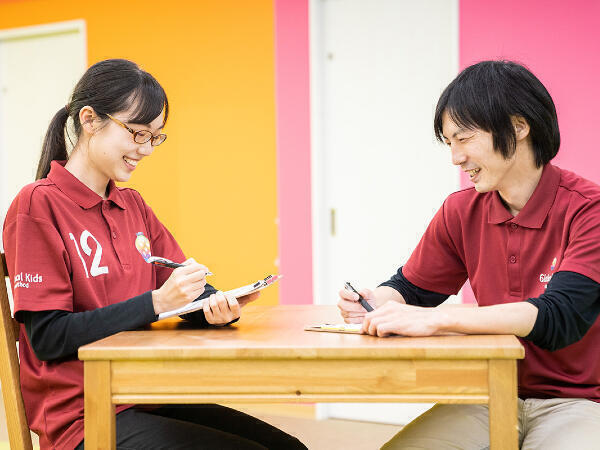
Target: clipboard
point(348, 328)
point(238, 292)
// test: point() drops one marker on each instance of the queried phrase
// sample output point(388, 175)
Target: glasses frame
point(135, 133)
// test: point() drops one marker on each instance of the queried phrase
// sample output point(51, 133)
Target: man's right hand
point(351, 310)
point(183, 286)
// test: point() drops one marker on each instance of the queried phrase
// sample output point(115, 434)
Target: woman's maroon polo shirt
point(510, 259)
point(68, 249)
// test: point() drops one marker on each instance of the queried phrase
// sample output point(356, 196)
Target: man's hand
point(350, 309)
point(406, 320)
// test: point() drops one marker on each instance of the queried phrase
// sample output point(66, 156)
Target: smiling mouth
point(473, 172)
point(131, 162)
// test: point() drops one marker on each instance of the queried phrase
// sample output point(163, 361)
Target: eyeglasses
point(142, 136)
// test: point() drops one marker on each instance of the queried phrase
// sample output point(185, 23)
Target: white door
point(39, 67)
point(377, 70)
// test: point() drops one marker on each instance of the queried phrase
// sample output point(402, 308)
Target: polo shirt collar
point(79, 192)
point(537, 207)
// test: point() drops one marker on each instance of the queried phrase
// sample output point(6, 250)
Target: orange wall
point(213, 183)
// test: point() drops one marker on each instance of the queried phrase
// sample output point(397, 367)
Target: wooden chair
point(18, 430)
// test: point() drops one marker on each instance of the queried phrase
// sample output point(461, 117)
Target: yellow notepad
point(354, 328)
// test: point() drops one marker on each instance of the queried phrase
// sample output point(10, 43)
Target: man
point(527, 236)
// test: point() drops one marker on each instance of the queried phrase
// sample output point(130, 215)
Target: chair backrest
point(18, 430)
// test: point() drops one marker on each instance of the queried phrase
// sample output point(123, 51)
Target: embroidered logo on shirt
point(546, 277)
point(143, 245)
point(23, 280)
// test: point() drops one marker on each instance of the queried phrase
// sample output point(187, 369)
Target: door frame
point(320, 215)
point(35, 31)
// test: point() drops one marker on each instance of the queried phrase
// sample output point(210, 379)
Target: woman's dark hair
point(486, 95)
point(109, 87)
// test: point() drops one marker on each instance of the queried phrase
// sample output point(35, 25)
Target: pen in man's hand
point(361, 299)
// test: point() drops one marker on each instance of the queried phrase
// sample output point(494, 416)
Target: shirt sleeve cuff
point(144, 304)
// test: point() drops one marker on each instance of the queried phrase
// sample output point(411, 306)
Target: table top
point(277, 332)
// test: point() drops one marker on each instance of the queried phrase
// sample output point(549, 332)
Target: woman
point(77, 276)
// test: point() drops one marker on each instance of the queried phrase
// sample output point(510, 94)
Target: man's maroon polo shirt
point(68, 249)
point(510, 259)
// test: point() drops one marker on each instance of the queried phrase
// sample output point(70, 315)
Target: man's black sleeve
point(566, 310)
point(58, 334)
point(412, 294)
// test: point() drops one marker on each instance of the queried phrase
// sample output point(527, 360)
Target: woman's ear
point(87, 115)
point(521, 127)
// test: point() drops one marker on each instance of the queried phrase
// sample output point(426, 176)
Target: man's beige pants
point(547, 424)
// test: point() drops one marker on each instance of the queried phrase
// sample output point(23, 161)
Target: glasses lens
point(157, 140)
point(142, 136)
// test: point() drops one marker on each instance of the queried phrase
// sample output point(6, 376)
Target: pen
point(157, 260)
point(361, 299)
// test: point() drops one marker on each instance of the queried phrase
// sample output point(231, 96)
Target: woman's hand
point(244, 300)
point(220, 309)
point(183, 286)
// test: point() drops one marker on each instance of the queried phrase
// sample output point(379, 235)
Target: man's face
point(473, 151)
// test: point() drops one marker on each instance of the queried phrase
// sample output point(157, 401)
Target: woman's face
point(112, 153)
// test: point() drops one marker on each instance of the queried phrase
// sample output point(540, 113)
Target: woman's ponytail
point(54, 147)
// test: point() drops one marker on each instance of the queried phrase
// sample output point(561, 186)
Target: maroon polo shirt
point(510, 259)
point(68, 249)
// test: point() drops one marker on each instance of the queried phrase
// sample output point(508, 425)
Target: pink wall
point(559, 41)
point(293, 150)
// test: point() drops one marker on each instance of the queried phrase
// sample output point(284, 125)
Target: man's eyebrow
point(460, 130)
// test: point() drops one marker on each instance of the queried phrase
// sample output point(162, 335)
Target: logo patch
point(546, 277)
point(25, 279)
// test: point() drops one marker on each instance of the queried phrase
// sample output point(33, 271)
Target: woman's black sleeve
point(413, 295)
point(58, 334)
point(566, 310)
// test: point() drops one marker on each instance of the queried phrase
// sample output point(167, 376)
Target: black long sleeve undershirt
point(566, 310)
point(58, 334)
point(413, 295)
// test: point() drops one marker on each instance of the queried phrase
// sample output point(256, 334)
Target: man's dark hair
point(485, 95)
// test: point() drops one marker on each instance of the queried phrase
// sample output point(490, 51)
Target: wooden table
point(268, 357)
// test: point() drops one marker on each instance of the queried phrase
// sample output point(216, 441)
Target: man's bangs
point(462, 114)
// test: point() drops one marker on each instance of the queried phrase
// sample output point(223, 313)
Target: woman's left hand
point(219, 309)
point(244, 300)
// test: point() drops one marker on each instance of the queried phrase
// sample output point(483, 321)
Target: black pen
point(361, 299)
point(164, 262)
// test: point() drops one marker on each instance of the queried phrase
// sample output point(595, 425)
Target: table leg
point(99, 412)
point(504, 432)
